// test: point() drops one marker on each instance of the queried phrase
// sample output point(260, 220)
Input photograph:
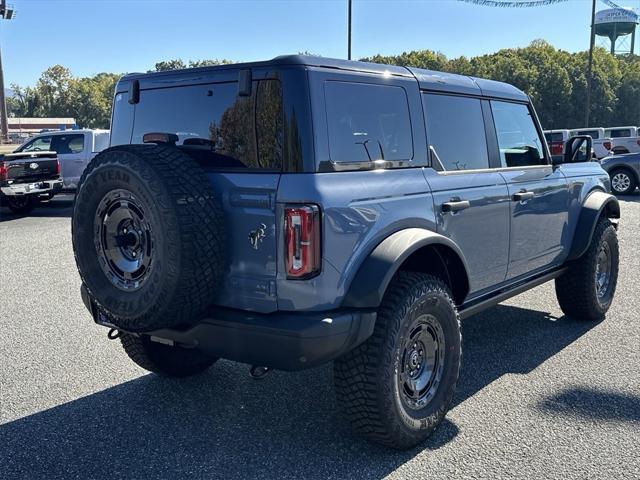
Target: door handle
point(455, 205)
point(523, 195)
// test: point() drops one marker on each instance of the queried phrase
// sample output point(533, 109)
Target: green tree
point(91, 99)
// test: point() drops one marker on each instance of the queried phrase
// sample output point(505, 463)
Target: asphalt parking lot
point(540, 395)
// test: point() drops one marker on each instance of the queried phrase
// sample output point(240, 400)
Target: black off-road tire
point(165, 360)
point(21, 205)
point(630, 178)
point(576, 289)
point(185, 227)
point(366, 379)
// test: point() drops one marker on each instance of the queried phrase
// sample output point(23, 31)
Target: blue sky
point(90, 36)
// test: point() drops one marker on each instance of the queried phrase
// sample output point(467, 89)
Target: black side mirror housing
point(577, 149)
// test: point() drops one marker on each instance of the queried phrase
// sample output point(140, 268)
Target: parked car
point(25, 178)
point(75, 148)
point(556, 140)
point(624, 171)
point(601, 145)
point(301, 210)
point(624, 139)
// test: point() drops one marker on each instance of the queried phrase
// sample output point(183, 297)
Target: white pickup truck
point(624, 139)
point(602, 144)
point(75, 148)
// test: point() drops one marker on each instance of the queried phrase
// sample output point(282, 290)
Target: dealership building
point(23, 126)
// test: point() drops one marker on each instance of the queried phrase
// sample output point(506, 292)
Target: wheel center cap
point(414, 359)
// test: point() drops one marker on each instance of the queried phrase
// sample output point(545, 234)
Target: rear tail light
point(638, 141)
point(57, 167)
point(4, 171)
point(607, 145)
point(302, 240)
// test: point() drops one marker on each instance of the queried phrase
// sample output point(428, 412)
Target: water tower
point(616, 24)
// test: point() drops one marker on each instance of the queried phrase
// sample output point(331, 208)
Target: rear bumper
point(280, 340)
point(32, 188)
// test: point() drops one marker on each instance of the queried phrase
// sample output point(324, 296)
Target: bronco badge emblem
point(256, 236)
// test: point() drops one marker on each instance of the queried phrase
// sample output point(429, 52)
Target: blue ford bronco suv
point(303, 210)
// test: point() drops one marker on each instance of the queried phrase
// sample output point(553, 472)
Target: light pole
point(349, 34)
point(6, 13)
point(587, 111)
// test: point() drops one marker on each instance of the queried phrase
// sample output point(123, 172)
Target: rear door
point(538, 192)
point(70, 148)
point(470, 197)
point(238, 141)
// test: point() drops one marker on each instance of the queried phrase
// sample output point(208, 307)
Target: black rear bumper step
point(280, 340)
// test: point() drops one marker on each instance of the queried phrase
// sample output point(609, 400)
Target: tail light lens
point(607, 145)
point(4, 171)
point(57, 167)
point(302, 240)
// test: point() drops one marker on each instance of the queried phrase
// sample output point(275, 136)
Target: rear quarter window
point(367, 122)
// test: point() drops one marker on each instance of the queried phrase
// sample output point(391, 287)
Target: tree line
point(555, 80)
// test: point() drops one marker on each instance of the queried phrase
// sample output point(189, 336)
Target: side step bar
point(477, 306)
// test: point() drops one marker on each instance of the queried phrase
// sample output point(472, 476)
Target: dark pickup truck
point(25, 178)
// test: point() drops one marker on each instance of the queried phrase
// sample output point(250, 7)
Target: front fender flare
point(596, 203)
point(375, 273)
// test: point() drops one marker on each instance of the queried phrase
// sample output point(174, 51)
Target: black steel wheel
point(421, 362)
point(397, 386)
point(124, 239)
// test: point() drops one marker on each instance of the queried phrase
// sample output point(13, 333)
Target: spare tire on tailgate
point(148, 236)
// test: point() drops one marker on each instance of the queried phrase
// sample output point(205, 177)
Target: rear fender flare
point(372, 279)
point(596, 204)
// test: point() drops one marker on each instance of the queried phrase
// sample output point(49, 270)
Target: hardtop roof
point(427, 79)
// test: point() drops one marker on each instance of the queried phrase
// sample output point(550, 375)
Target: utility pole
point(587, 112)
point(6, 13)
point(349, 34)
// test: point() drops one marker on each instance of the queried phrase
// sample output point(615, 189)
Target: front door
point(471, 200)
point(538, 192)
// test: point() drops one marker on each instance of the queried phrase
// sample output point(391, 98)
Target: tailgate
point(29, 167)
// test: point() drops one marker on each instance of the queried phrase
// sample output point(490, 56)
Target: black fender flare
point(595, 204)
point(372, 279)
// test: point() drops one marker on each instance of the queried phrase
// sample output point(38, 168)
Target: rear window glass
point(447, 117)
point(215, 125)
point(367, 122)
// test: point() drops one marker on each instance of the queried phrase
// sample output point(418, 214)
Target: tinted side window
point(455, 130)
point(65, 144)
point(40, 144)
point(367, 122)
point(215, 125)
point(518, 140)
point(620, 133)
point(592, 133)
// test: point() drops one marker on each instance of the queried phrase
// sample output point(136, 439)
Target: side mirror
point(578, 149)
